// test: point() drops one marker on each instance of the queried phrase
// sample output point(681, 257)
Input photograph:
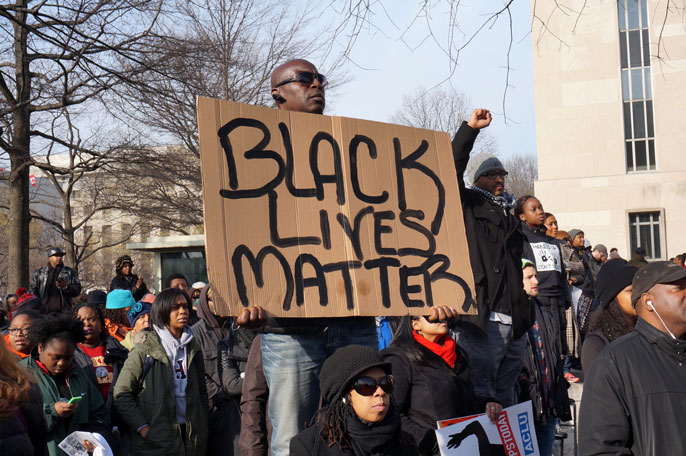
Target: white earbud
point(344, 401)
point(650, 303)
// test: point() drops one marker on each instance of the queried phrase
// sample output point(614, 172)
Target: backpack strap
point(149, 361)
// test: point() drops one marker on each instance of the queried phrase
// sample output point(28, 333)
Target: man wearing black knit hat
point(494, 339)
point(635, 392)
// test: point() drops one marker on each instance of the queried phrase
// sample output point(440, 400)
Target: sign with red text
point(513, 434)
point(317, 216)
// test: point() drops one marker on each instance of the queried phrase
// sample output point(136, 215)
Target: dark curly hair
point(611, 321)
point(117, 316)
point(61, 327)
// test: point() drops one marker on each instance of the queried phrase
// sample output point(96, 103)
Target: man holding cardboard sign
point(293, 350)
point(326, 222)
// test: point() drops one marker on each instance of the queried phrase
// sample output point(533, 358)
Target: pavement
point(575, 391)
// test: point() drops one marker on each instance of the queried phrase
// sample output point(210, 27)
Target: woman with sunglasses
point(357, 417)
point(432, 383)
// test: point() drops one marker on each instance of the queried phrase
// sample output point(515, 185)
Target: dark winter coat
point(495, 245)
point(72, 290)
point(255, 429)
point(90, 415)
point(310, 443)
point(635, 396)
point(129, 283)
point(24, 433)
point(553, 401)
point(155, 405)
point(426, 393)
point(225, 361)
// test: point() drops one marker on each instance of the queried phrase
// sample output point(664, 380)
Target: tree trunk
point(68, 233)
point(20, 159)
point(18, 230)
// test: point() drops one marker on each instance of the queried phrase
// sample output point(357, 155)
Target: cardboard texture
point(317, 216)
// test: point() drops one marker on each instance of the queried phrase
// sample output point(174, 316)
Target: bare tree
point(82, 167)
point(55, 56)
point(215, 48)
point(441, 109)
point(523, 172)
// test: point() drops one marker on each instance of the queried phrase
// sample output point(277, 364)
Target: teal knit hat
point(119, 299)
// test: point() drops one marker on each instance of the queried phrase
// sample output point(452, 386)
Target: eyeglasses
point(494, 174)
point(366, 386)
point(305, 77)
point(15, 331)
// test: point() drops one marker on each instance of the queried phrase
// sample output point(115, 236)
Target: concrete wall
point(579, 123)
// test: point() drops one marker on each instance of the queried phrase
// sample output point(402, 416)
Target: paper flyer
point(512, 435)
point(73, 446)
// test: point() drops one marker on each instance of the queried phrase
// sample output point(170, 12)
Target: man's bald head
point(294, 95)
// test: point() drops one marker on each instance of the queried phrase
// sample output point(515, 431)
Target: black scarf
point(371, 439)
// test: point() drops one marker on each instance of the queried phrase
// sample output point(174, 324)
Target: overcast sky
point(391, 69)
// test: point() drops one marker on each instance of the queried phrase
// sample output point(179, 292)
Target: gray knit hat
point(484, 163)
point(341, 368)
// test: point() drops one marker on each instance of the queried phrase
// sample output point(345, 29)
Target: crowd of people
point(165, 374)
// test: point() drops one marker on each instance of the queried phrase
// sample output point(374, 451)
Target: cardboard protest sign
point(310, 215)
point(513, 435)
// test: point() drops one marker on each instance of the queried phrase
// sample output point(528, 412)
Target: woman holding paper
point(431, 380)
point(357, 417)
point(71, 402)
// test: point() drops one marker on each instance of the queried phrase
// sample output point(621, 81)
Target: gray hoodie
point(177, 351)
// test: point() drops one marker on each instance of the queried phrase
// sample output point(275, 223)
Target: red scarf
point(443, 347)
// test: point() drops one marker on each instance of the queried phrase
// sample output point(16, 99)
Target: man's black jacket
point(495, 248)
point(634, 399)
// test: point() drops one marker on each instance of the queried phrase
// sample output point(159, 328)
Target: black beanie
point(613, 277)
point(341, 368)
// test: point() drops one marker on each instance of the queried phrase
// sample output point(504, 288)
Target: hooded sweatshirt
point(177, 351)
point(544, 251)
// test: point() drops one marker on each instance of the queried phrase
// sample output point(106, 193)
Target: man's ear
point(645, 297)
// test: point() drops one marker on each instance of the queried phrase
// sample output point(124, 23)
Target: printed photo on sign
point(512, 435)
point(547, 256)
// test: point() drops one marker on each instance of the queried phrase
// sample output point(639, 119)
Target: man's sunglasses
point(305, 77)
point(366, 386)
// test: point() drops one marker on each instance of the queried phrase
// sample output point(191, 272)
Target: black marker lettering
point(345, 267)
point(354, 233)
point(256, 264)
point(352, 150)
point(410, 162)
point(274, 228)
point(288, 147)
point(319, 281)
point(379, 229)
point(382, 264)
point(321, 179)
point(419, 215)
point(256, 152)
point(325, 228)
point(406, 288)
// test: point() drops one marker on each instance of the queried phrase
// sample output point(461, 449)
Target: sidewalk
point(575, 391)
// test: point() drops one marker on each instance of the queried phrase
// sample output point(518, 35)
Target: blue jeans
point(495, 360)
point(291, 366)
point(545, 434)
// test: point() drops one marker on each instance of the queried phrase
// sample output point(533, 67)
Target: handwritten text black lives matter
point(415, 281)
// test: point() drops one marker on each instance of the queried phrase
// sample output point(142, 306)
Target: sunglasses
point(305, 77)
point(366, 386)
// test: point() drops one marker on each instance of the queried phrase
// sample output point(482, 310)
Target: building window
point(637, 96)
point(644, 231)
